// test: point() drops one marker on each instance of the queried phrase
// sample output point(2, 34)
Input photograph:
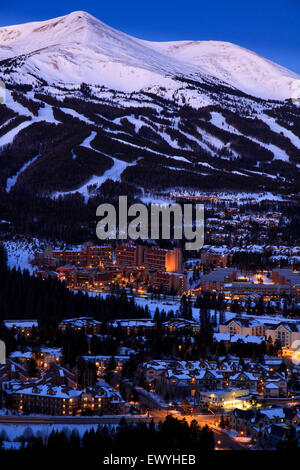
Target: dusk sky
point(269, 27)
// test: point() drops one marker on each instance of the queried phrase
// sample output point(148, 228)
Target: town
point(146, 332)
point(255, 373)
point(149, 233)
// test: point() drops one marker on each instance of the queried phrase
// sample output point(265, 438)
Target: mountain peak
point(78, 47)
point(79, 14)
point(80, 17)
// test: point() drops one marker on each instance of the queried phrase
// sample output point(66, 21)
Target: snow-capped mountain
point(78, 47)
point(237, 66)
point(91, 109)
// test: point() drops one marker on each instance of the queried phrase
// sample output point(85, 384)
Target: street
point(13, 419)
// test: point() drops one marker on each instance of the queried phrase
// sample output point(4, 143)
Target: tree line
point(173, 436)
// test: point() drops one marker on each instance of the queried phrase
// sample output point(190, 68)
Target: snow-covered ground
point(20, 252)
point(262, 319)
point(9, 136)
point(10, 183)
point(79, 48)
point(240, 197)
point(219, 121)
point(11, 431)
point(114, 173)
point(44, 114)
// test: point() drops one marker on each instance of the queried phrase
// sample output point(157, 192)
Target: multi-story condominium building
point(94, 266)
point(179, 324)
point(215, 280)
point(77, 276)
point(285, 276)
point(43, 398)
point(163, 260)
point(86, 277)
point(99, 254)
point(216, 259)
point(88, 324)
point(102, 399)
point(244, 380)
point(101, 362)
point(45, 357)
point(62, 400)
point(154, 258)
point(242, 326)
point(227, 280)
point(129, 255)
point(183, 383)
point(152, 371)
point(169, 281)
point(89, 256)
point(23, 327)
point(288, 276)
point(286, 333)
point(139, 325)
point(58, 375)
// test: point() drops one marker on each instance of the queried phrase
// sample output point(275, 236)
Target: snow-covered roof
point(44, 390)
point(21, 323)
point(132, 323)
point(273, 413)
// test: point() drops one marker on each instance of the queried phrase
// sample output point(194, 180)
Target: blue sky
point(269, 27)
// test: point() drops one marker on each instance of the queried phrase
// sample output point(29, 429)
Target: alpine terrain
point(88, 107)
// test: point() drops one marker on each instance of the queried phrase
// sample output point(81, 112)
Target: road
point(222, 440)
point(12, 419)
point(156, 415)
point(225, 442)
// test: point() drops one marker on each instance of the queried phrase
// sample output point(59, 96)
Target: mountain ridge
point(103, 111)
point(79, 40)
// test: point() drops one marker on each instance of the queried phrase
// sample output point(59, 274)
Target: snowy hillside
point(79, 47)
point(91, 109)
point(237, 66)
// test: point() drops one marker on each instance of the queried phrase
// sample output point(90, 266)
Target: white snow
point(44, 114)
point(114, 173)
point(278, 129)
point(74, 114)
point(20, 253)
point(240, 67)
point(10, 183)
point(9, 137)
point(219, 121)
point(79, 47)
